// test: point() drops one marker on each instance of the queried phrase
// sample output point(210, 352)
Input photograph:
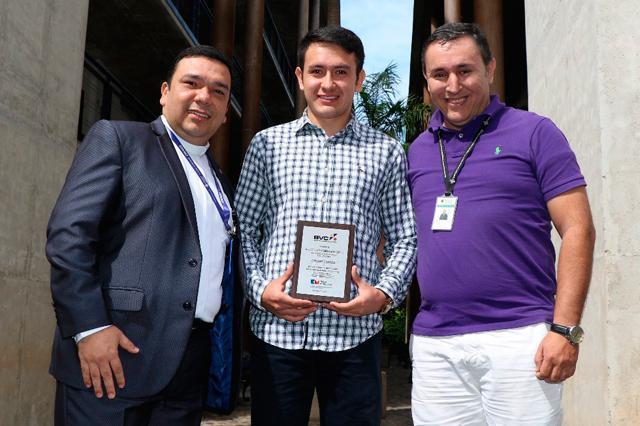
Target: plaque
point(322, 263)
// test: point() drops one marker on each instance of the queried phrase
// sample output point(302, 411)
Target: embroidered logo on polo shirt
point(498, 150)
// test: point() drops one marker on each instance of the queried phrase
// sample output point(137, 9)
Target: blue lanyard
point(223, 209)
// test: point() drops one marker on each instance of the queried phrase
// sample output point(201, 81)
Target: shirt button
point(193, 263)
point(323, 199)
point(460, 135)
point(187, 306)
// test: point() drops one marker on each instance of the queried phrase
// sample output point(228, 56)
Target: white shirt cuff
point(87, 333)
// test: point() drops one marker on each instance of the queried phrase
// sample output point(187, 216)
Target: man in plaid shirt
point(327, 167)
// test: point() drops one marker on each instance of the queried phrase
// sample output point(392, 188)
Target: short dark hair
point(342, 37)
point(456, 30)
point(200, 50)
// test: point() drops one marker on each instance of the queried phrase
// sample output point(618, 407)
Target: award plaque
point(322, 263)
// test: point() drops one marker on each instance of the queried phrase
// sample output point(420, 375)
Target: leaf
point(375, 105)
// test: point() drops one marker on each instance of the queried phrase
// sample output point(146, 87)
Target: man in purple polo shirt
point(497, 332)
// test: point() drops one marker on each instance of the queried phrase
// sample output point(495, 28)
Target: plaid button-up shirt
point(295, 172)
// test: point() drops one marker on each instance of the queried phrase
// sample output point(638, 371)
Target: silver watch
point(573, 333)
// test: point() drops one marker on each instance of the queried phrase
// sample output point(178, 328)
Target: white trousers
point(485, 378)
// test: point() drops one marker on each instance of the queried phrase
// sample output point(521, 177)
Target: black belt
point(198, 324)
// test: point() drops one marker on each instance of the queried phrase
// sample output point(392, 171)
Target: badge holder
point(444, 213)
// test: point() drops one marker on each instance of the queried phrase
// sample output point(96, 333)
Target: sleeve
point(555, 164)
point(251, 203)
point(399, 230)
point(74, 231)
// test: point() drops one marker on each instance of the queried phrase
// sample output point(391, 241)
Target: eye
point(439, 75)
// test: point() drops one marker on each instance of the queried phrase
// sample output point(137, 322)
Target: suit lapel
point(169, 152)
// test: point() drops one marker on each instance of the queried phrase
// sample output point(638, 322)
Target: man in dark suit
point(142, 248)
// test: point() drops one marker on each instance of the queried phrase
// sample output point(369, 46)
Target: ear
point(361, 76)
point(491, 69)
point(299, 76)
point(426, 81)
point(164, 89)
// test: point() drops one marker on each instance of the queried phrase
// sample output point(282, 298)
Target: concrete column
point(252, 79)
point(42, 50)
point(315, 14)
point(303, 29)
point(223, 30)
point(586, 80)
point(333, 12)
point(451, 10)
point(488, 14)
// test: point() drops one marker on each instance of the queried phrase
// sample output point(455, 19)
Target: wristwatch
point(387, 305)
point(574, 334)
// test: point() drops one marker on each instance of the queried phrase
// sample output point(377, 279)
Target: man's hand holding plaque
point(368, 301)
point(279, 303)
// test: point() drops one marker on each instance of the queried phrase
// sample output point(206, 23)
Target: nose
point(453, 83)
point(327, 81)
point(202, 95)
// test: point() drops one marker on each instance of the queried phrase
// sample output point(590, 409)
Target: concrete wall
point(584, 72)
point(41, 62)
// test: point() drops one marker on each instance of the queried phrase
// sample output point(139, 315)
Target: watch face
point(576, 334)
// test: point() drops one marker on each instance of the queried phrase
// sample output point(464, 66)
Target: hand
point(368, 301)
point(275, 300)
point(556, 358)
point(99, 360)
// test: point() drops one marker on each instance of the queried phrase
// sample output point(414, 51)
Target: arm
point(73, 236)
point(399, 247)
point(252, 200)
point(556, 358)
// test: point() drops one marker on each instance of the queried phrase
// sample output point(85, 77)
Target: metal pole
point(333, 12)
point(252, 78)
point(488, 14)
point(451, 11)
point(222, 38)
point(303, 29)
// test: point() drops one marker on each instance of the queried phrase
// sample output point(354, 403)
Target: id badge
point(444, 213)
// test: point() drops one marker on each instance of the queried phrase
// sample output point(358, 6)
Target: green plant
point(375, 105)
point(394, 325)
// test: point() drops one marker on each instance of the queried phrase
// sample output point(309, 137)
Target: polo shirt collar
point(470, 129)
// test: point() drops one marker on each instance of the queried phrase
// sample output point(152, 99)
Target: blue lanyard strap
point(223, 208)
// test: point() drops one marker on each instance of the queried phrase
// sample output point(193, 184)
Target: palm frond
point(376, 106)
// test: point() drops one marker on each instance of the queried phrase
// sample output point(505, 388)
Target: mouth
point(456, 101)
point(327, 98)
point(199, 115)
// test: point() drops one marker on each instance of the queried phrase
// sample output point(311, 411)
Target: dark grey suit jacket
point(124, 249)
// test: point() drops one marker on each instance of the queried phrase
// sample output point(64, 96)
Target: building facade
point(584, 72)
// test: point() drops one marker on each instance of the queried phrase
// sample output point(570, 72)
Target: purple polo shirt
point(496, 268)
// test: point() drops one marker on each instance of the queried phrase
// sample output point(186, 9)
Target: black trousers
point(180, 403)
point(347, 384)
